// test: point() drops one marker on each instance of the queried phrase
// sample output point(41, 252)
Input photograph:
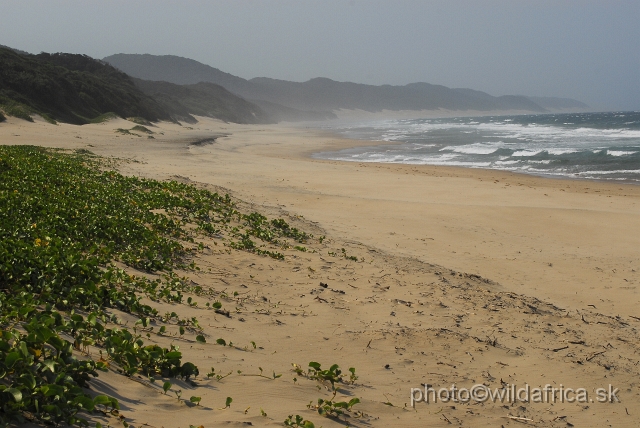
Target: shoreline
point(481, 219)
point(343, 128)
point(344, 143)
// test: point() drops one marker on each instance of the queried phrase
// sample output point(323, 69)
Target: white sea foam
point(525, 153)
point(620, 152)
point(507, 162)
point(475, 148)
point(486, 143)
point(617, 171)
point(561, 151)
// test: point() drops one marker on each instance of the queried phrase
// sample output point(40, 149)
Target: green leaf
point(314, 365)
point(92, 319)
point(173, 355)
point(353, 402)
point(52, 390)
point(200, 338)
point(221, 342)
point(166, 386)
point(15, 393)
point(50, 364)
point(11, 359)
point(101, 400)
point(86, 402)
point(228, 402)
point(24, 350)
point(195, 400)
point(28, 380)
point(43, 333)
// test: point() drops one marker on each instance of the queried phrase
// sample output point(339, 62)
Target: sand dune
point(463, 276)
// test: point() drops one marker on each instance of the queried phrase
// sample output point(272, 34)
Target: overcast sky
point(587, 50)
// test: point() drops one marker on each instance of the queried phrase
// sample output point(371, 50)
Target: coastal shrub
point(16, 109)
point(105, 117)
point(141, 128)
point(71, 88)
point(139, 120)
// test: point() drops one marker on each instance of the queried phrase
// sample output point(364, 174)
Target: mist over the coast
point(322, 213)
point(586, 50)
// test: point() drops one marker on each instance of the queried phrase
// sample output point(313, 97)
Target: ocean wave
point(620, 152)
point(617, 171)
point(476, 148)
point(600, 145)
point(561, 151)
point(526, 153)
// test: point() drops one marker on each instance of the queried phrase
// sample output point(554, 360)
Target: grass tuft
point(16, 109)
point(141, 128)
point(140, 121)
point(105, 117)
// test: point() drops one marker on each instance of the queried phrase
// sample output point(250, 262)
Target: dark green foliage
point(298, 421)
point(2, 118)
point(16, 109)
point(334, 409)
point(288, 231)
point(105, 117)
point(63, 222)
point(203, 99)
point(69, 88)
point(141, 128)
point(139, 121)
point(332, 375)
point(60, 221)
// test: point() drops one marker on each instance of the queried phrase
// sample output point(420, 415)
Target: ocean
point(598, 146)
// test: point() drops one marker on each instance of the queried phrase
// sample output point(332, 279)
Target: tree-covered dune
point(70, 88)
point(203, 99)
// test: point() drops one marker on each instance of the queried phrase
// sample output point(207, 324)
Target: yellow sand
point(560, 258)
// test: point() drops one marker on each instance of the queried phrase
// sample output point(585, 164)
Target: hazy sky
point(588, 50)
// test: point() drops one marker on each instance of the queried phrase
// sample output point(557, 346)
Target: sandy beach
point(463, 276)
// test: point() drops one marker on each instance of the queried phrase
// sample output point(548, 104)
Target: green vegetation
point(64, 222)
point(141, 128)
point(2, 118)
point(331, 408)
point(203, 99)
point(298, 421)
point(16, 109)
point(332, 375)
point(70, 88)
point(125, 132)
point(139, 121)
point(21, 111)
point(105, 117)
point(138, 128)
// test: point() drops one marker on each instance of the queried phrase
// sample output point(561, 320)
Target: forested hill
point(70, 88)
point(321, 94)
point(79, 89)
